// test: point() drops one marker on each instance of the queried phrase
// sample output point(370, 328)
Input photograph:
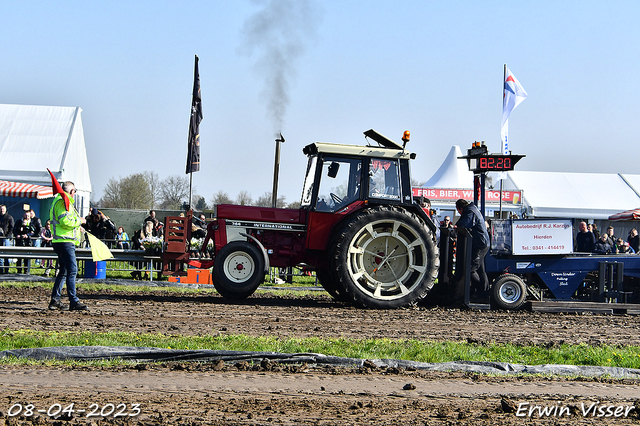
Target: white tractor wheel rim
point(239, 266)
point(387, 259)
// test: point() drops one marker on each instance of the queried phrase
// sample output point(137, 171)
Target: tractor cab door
point(332, 183)
point(340, 183)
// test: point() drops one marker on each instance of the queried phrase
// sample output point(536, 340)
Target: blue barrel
point(95, 269)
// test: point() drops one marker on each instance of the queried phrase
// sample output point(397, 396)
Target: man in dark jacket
point(471, 218)
point(585, 240)
point(6, 234)
point(634, 240)
point(24, 231)
point(100, 226)
point(602, 246)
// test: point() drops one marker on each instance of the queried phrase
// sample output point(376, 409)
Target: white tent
point(34, 138)
point(575, 195)
point(633, 181)
point(452, 173)
point(452, 181)
point(545, 194)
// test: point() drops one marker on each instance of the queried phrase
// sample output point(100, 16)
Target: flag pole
point(193, 155)
point(501, 198)
point(504, 78)
point(190, 185)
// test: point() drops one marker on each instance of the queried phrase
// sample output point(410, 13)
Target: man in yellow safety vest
point(66, 230)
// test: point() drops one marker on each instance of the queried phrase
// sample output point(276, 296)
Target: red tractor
point(357, 227)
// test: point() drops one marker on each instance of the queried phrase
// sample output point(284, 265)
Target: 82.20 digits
point(94, 410)
point(495, 163)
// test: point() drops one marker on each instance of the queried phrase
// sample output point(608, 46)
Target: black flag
point(193, 156)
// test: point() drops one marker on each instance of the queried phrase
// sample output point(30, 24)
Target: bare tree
point(266, 201)
point(154, 186)
point(174, 190)
point(111, 197)
point(130, 192)
point(221, 197)
point(244, 199)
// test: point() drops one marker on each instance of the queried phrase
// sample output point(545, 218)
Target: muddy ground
point(211, 393)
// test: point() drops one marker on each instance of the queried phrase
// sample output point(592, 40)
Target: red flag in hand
point(57, 189)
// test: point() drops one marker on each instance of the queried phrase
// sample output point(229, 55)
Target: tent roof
point(574, 195)
point(453, 173)
point(633, 181)
point(24, 190)
point(626, 215)
point(34, 138)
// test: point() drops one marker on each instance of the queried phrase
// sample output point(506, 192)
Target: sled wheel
point(238, 270)
point(385, 258)
point(509, 292)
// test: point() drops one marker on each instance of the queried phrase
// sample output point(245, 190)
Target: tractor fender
point(262, 249)
point(415, 208)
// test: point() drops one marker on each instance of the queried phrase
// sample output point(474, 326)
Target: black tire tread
point(229, 289)
point(369, 215)
point(495, 290)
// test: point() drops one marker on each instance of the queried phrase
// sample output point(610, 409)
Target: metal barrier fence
point(285, 275)
point(139, 260)
point(136, 261)
point(37, 242)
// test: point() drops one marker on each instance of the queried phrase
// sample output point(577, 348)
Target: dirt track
point(216, 394)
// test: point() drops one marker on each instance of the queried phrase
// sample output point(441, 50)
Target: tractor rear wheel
point(329, 284)
point(385, 258)
point(238, 270)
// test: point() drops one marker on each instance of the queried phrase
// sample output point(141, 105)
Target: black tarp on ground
point(144, 354)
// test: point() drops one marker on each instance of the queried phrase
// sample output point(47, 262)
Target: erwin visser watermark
point(590, 409)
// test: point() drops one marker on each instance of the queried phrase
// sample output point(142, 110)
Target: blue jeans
point(68, 269)
point(37, 242)
point(4, 263)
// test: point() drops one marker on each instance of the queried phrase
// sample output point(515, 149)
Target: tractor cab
point(335, 178)
point(367, 241)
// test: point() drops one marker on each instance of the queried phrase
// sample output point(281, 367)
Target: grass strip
point(414, 350)
point(123, 270)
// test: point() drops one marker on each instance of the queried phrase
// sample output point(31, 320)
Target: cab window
point(339, 183)
point(384, 179)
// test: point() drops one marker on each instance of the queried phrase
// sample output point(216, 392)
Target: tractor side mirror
point(333, 170)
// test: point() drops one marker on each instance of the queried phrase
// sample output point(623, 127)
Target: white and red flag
point(513, 94)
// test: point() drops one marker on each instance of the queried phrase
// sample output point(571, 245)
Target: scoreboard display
point(493, 163)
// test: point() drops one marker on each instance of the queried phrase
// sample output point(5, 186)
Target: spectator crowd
point(29, 231)
point(590, 240)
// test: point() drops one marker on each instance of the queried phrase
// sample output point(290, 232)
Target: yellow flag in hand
point(99, 250)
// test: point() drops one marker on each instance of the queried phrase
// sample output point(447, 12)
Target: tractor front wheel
point(238, 270)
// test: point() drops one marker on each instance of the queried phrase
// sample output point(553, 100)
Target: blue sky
point(432, 67)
